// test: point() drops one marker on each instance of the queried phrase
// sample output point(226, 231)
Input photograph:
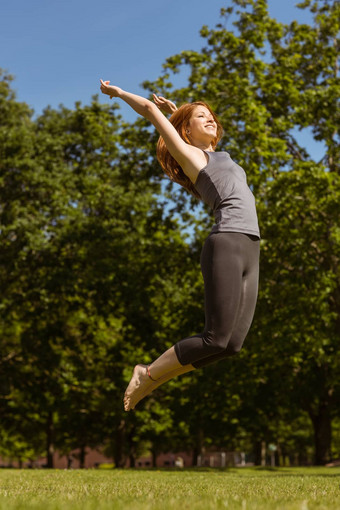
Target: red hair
point(180, 120)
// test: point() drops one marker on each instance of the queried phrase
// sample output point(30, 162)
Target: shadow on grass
point(310, 471)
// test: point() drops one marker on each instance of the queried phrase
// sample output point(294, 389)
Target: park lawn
point(203, 489)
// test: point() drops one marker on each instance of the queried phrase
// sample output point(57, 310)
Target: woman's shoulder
point(217, 154)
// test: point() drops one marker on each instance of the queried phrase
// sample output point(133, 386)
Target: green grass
point(231, 489)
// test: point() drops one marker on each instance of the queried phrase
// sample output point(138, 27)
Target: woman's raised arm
point(140, 104)
point(187, 156)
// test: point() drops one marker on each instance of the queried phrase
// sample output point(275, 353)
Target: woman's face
point(202, 126)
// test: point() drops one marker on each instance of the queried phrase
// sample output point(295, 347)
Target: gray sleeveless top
point(222, 185)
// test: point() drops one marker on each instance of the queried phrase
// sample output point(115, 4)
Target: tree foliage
point(97, 271)
point(268, 81)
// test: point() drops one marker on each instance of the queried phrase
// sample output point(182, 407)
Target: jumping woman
point(230, 255)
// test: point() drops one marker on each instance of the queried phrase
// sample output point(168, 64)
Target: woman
point(230, 255)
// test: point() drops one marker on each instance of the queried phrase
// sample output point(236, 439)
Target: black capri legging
point(230, 268)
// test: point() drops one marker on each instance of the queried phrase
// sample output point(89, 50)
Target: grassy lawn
point(231, 489)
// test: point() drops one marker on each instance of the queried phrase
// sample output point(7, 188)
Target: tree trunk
point(197, 451)
point(118, 456)
point(154, 457)
point(82, 455)
point(258, 453)
point(49, 440)
point(263, 453)
point(132, 459)
point(322, 424)
point(132, 447)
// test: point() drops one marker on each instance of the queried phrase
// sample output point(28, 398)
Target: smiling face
point(202, 127)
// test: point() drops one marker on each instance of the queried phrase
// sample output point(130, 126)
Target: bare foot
point(149, 388)
point(138, 384)
point(146, 390)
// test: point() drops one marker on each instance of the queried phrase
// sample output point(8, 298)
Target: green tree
point(89, 244)
point(267, 81)
point(98, 274)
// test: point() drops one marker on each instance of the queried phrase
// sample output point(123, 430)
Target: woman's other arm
point(164, 104)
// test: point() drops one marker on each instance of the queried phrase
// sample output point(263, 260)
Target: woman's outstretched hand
point(110, 90)
point(164, 104)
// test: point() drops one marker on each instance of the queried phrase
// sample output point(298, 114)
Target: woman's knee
point(233, 349)
point(235, 344)
point(223, 343)
point(216, 341)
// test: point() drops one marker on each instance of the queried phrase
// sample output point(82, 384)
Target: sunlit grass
point(255, 489)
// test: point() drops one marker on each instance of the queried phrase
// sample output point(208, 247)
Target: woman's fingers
point(159, 101)
point(164, 104)
point(156, 99)
point(104, 87)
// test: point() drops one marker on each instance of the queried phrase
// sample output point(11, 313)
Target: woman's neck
point(203, 147)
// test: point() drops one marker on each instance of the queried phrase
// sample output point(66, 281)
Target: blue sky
point(58, 49)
